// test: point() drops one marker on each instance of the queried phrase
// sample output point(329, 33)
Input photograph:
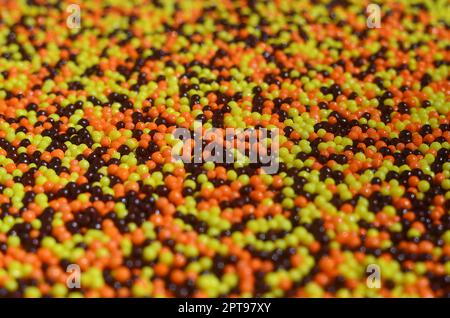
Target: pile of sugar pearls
point(86, 130)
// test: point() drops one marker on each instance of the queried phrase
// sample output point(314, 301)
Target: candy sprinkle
point(92, 203)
